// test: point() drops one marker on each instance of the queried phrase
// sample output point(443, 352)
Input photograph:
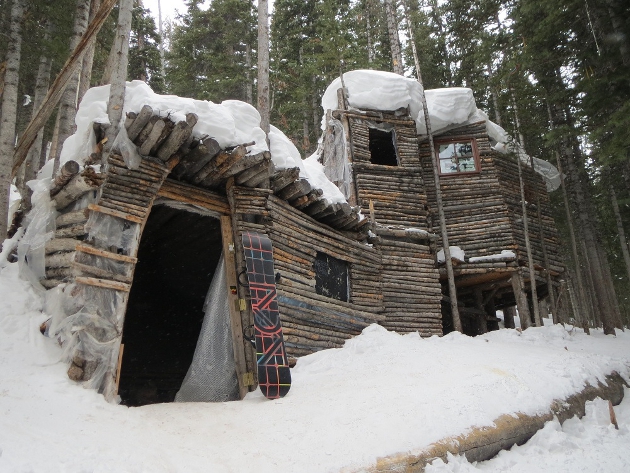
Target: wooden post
point(235, 315)
point(482, 323)
point(521, 299)
point(452, 290)
point(508, 317)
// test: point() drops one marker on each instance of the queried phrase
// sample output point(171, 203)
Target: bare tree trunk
point(452, 290)
point(394, 40)
point(495, 98)
point(56, 89)
point(249, 87)
point(263, 64)
point(141, 45)
point(88, 60)
point(161, 45)
point(528, 247)
point(108, 70)
point(622, 234)
point(369, 34)
point(68, 103)
point(9, 111)
point(571, 155)
point(119, 72)
point(33, 160)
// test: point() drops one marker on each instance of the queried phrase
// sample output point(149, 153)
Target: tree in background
point(145, 62)
point(209, 51)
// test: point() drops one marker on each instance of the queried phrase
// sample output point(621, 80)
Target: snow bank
point(231, 123)
point(382, 393)
point(449, 107)
point(583, 445)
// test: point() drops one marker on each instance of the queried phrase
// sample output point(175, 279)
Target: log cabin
point(138, 235)
point(392, 174)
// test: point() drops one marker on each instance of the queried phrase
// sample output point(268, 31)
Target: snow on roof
point(449, 107)
point(231, 123)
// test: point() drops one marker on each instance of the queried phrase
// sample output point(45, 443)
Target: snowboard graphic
point(274, 377)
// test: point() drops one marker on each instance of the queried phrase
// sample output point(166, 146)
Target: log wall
point(478, 219)
point(535, 194)
point(310, 321)
point(411, 285)
point(396, 192)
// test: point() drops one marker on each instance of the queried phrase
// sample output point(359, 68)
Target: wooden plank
point(85, 248)
point(182, 192)
point(115, 213)
point(104, 283)
point(232, 293)
point(118, 366)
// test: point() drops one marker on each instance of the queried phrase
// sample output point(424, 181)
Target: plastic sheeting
point(336, 165)
point(40, 228)
point(211, 376)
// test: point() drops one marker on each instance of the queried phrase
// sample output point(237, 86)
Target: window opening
point(458, 157)
point(382, 147)
point(331, 277)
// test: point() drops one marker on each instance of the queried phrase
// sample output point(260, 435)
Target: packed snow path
point(379, 395)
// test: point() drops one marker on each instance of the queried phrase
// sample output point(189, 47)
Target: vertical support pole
point(452, 290)
point(521, 299)
point(236, 325)
point(245, 313)
point(508, 317)
point(482, 323)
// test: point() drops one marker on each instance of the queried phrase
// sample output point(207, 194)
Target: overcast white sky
point(171, 7)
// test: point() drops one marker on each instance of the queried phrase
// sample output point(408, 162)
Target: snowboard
point(274, 376)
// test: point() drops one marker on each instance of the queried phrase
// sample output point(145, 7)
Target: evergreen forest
point(555, 75)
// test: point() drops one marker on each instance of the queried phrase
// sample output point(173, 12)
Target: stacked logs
point(477, 217)
point(538, 218)
point(310, 321)
point(204, 164)
point(397, 194)
point(406, 141)
point(411, 287)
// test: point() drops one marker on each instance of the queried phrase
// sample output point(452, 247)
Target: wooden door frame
point(185, 193)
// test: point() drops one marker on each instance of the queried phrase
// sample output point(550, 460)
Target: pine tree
point(208, 57)
point(145, 62)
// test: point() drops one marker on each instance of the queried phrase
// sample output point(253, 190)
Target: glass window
point(457, 157)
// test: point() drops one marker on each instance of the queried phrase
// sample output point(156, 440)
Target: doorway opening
point(177, 258)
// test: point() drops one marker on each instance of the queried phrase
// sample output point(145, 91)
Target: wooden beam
point(104, 283)
point(85, 248)
point(233, 304)
point(115, 213)
point(182, 192)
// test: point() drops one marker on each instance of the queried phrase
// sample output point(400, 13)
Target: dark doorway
point(178, 254)
point(382, 149)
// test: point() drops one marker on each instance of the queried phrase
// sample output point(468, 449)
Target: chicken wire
point(211, 376)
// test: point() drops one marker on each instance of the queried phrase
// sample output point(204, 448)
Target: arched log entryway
point(177, 258)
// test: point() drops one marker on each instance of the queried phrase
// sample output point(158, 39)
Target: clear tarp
point(211, 376)
point(336, 165)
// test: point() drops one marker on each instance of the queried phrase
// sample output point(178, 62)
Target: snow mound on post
point(231, 123)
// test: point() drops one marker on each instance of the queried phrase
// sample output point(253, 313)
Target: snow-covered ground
point(381, 394)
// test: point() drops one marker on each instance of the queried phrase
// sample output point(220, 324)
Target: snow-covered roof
point(449, 107)
point(230, 123)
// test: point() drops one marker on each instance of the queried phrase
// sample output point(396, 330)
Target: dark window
point(382, 149)
point(331, 277)
point(458, 157)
